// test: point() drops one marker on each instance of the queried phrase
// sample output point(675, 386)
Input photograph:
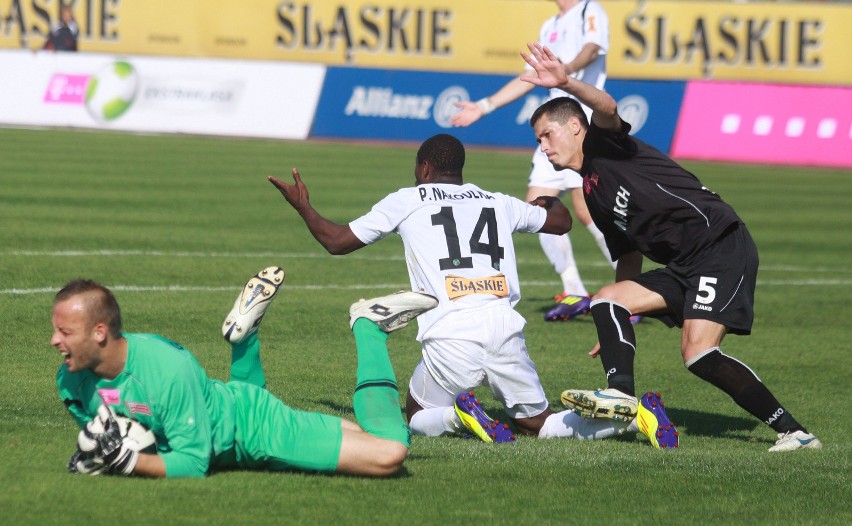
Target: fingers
point(538, 53)
point(281, 185)
point(543, 201)
point(595, 350)
point(546, 52)
point(277, 183)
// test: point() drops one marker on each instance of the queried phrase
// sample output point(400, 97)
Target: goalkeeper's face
point(75, 336)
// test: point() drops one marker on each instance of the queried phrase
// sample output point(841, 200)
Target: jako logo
point(777, 414)
point(610, 372)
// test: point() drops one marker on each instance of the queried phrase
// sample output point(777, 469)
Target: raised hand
point(550, 72)
point(296, 194)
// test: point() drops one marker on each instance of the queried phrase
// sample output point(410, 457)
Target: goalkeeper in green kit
point(146, 407)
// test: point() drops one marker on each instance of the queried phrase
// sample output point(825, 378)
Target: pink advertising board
point(765, 123)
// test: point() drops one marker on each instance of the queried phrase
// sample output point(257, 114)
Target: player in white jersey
point(458, 247)
point(579, 36)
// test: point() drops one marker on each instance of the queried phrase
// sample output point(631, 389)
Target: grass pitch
point(175, 225)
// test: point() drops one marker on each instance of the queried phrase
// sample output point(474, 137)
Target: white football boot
point(251, 304)
point(603, 403)
point(794, 440)
point(394, 311)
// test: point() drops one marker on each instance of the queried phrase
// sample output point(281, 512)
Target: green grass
point(176, 224)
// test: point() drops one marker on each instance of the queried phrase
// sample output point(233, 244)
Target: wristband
point(486, 105)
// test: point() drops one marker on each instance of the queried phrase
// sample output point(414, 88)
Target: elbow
point(341, 244)
point(608, 107)
point(337, 249)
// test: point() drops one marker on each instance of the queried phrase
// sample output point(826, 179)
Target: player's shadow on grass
point(688, 421)
point(700, 423)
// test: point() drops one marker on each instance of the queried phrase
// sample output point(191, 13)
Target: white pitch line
point(180, 254)
point(193, 288)
point(385, 286)
point(319, 255)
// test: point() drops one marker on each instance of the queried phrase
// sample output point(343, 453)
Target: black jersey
point(644, 201)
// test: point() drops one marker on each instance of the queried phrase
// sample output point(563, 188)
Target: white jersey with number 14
point(458, 242)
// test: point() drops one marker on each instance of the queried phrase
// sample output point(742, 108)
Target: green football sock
point(245, 362)
point(376, 399)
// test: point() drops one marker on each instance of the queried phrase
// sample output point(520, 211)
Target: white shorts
point(544, 175)
point(467, 349)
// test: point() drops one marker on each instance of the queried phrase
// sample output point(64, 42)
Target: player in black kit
point(648, 205)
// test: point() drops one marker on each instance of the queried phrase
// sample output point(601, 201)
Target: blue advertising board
point(395, 105)
point(650, 106)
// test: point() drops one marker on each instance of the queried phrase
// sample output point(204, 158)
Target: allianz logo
point(383, 102)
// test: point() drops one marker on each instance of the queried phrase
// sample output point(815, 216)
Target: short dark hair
point(559, 110)
point(444, 153)
point(101, 305)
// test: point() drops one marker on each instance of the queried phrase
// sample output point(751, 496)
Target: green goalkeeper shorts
point(271, 435)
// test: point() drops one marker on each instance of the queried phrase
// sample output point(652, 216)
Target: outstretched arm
point(550, 73)
point(473, 111)
point(335, 238)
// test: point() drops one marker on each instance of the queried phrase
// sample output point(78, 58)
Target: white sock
point(634, 426)
point(435, 422)
point(560, 252)
point(599, 239)
point(571, 282)
point(568, 424)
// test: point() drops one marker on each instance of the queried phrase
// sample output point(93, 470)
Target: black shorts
point(718, 285)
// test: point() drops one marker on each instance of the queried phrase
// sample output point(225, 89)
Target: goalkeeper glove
point(111, 444)
point(85, 464)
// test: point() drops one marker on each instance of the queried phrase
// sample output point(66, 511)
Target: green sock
point(245, 362)
point(376, 399)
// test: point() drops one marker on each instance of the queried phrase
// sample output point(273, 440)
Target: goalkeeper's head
point(100, 304)
point(86, 325)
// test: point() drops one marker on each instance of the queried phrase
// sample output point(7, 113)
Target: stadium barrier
point(766, 123)
point(743, 122)
point(362, 103)
point(160, 95)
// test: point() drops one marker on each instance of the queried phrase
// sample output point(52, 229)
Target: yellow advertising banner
point(765, 41)
point(759, 41)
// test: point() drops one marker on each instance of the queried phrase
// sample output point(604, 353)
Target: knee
point(607, 293)
point(390, 461)
point(691, 352)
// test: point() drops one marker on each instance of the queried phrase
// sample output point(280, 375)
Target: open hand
point(296, 194)
point(550, 72)
point(467, 115)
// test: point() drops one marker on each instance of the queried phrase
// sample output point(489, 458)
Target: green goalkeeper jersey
point(165, 388)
